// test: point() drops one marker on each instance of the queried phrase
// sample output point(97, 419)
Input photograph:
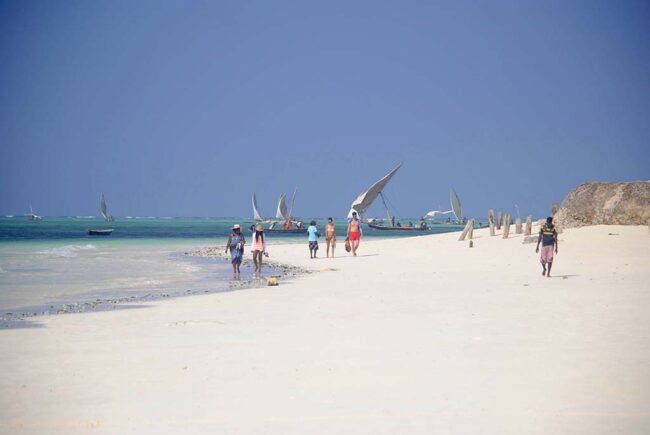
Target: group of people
point(353, 236)
point(237, 241)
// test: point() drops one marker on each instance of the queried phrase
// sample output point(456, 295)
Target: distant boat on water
point(104, 232)
point(103, 209)
point(456, 209)
point(32, 216)
point(285, 217)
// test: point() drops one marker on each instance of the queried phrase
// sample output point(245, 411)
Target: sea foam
point(67, 251)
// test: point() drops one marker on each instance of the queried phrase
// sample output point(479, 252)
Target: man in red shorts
point(354, 232)
point(548, 237)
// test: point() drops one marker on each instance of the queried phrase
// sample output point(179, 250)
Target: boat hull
point(283, 231)
point(385, 228)
point(99, 232)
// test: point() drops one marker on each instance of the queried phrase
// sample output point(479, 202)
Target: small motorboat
point(106, 232)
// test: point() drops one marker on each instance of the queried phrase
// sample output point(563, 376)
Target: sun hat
point(259, 227)
point(236, 227)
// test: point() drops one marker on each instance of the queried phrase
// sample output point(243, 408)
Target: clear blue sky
point(185, 108)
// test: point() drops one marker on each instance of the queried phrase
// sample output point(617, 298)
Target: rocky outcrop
point(606, 203)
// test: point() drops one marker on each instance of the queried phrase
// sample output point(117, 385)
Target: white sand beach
point(417, 335)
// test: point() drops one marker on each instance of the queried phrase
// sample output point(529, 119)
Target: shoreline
point(28, 316)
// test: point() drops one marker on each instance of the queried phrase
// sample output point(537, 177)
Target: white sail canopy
point(365, 200)
point(456, 209)
point(455, 205)
point(102, 208)
point(256, 213)
point(436, 213)
point(282, 213)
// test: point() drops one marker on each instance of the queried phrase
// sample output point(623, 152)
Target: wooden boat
point(404, 228)
point(283, 231)
point(106, 232)
point(282, 215)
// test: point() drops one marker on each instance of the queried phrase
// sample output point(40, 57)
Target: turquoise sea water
point(52, 265)
point(165, 229)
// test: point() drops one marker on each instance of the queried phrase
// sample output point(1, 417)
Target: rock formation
point(606, 203)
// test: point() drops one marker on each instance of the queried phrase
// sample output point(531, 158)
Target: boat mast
point(386, 206)
point(293, 199)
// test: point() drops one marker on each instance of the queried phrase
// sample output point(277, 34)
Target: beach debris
point(506, 225)
point(471, 243)
point(272, 280)
point(518, 228)
point(529, 226)
point(491, 221)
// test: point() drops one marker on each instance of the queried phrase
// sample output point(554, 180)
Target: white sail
point(256, 213)
point(282, 213)
point(293, 201)
point(31, 214)
point(436, 213)
point(366, 198)
point(102, 208)
point(455, 205)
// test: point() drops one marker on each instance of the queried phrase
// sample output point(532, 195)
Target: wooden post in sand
point(506, 225)
point(470, 233)
point(499, 220)
point(468, 225)
point(491, 221)
point(518, 229)
point(529, 226)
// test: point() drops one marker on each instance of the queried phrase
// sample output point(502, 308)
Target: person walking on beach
point(354, 232)
point(258, 247)
point(313, 236)
point(330, 236)
point(236, 244)
point(548, 237)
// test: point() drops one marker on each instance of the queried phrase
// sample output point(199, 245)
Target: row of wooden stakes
point(502, 220)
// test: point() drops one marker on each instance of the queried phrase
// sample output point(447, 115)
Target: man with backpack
point(548, 238)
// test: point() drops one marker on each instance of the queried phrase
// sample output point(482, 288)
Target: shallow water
point(53, 266)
